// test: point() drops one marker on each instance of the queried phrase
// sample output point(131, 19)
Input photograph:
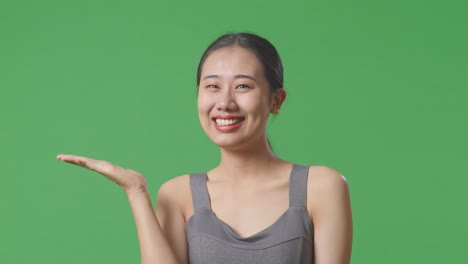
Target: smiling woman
point(254, 67)
point(254, 207)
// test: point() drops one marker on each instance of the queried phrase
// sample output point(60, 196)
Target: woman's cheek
point(204, 109)
point(253, 106)
point(202, 102)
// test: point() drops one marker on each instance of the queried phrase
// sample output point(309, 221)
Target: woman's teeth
point(227, 122)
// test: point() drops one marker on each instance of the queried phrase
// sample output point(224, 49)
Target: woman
point(254, 207)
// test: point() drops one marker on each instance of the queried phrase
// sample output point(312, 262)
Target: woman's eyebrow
point(238, 76)
point(210, 76)
point(242, 76)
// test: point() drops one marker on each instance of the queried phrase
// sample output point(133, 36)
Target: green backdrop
point(377, 90)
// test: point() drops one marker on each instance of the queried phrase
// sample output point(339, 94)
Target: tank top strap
point(298, 186)
point(199, 190)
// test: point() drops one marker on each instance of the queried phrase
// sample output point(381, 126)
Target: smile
point(227, 122)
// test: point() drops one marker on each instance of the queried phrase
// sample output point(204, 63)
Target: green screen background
point(377, 90)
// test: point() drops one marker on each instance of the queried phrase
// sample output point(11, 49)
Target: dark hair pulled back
point(264, 51)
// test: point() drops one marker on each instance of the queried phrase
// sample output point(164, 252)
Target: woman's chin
point(229, 143)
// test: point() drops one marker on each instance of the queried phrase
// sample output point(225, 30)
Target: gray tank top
point(288, 240)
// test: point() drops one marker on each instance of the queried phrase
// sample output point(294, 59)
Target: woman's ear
point(278, 98)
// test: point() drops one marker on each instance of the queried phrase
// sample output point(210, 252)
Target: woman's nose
point(227, 101)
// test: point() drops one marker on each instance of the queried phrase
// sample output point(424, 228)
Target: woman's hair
point(264, 51)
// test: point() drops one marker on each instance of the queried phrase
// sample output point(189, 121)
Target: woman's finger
point(105, 168)
point(126, 178)
point(88, 163)
point(77, 160)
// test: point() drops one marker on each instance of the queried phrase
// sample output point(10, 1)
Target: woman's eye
point(211, 86)
point(243, 86)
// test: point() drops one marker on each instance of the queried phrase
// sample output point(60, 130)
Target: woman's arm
point(174, 197)
point(330, 208)
point(154, 246)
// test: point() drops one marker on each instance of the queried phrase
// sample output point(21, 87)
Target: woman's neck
point(247, 163)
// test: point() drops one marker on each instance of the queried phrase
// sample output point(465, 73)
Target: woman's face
point(234, 98)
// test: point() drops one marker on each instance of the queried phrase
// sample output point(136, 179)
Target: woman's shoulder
point(175, 188)
point(176, 182)
point(325, 177)
point(326, 187)
point(176, 193)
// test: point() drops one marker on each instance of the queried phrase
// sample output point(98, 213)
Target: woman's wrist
point(135, 193)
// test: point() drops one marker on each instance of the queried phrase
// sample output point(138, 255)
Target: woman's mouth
point(228, 124)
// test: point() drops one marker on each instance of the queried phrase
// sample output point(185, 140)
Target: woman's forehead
point(231, 62)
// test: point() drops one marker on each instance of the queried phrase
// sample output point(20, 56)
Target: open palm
point(129, 180)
